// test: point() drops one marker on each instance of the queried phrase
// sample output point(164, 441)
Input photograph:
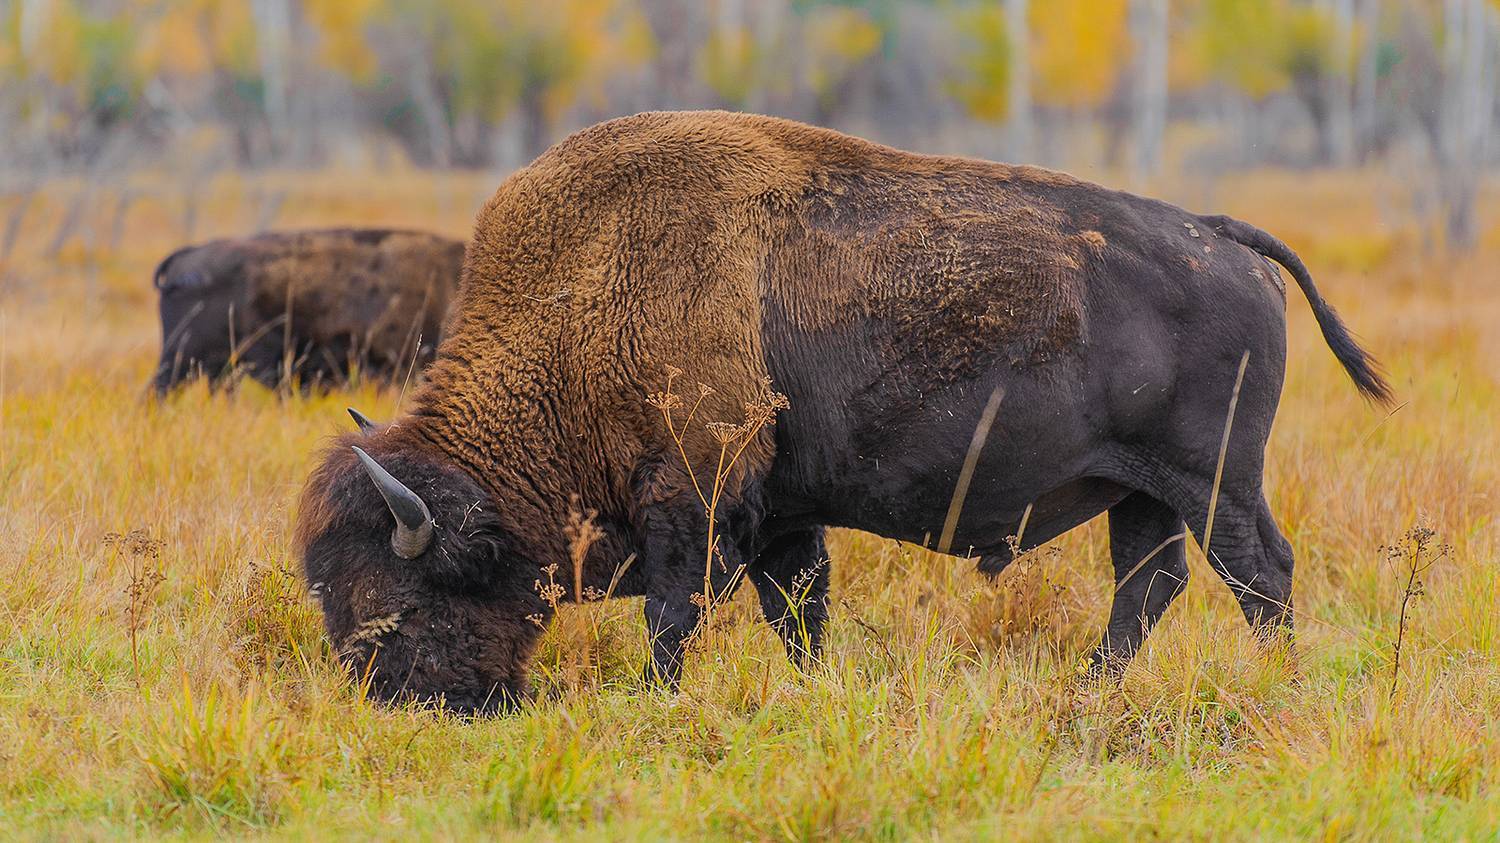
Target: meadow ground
point(174, 681)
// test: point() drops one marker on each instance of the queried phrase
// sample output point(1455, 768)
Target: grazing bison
point(312, 304)
point(899, 301)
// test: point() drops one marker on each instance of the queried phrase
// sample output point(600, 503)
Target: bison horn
point(360, 419)
point(413, 521)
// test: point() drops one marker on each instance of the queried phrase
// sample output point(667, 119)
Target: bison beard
point(888, 295)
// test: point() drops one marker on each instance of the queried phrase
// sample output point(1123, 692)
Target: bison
point(305, 307)
point(903, 304)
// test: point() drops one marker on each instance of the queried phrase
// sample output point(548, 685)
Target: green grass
point(949, 707)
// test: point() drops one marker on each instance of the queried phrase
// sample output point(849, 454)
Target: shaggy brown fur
point(327, 300)
point(889, 294)
point(652, 241)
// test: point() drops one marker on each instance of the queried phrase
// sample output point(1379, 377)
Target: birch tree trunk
point(273, 28)
point(766, 31)
point(32, 23)
point(1021, 125)
point(676, 26)
point(429, 102)
point(1337, 83)
point(1148, 29)
point(1468, 109)
point(1365, 78)
point(33, 19)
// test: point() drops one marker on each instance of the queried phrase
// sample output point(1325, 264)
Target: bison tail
point(1362, 368)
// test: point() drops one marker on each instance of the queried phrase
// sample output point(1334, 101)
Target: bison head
point(206, 327)
point(425, 594)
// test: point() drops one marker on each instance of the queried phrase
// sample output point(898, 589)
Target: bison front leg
point(791, 577)
point(679, 571)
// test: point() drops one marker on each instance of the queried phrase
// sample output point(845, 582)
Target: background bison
point(896, 299)
point(310, 307)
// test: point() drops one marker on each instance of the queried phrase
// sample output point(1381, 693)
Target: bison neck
point(508, 422)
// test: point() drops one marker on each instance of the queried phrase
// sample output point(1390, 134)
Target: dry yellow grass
point(948, 708)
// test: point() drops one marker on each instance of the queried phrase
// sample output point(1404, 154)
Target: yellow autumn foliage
point(1077, 49)
point(837, 39)
point(727, 63)
point(193, 37)
point(58, 36)
point(342, 37)
point(985, 61)
point(493, 52)
point(1256, 46)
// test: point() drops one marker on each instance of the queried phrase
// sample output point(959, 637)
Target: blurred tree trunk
point(1468, 110)
point(537, 125)
point(1365, 79)
point(1148, 31)
point(675, 28)
point(731, 17)
point(765, 27)
point(1337, 87)
point(1022, 128)
point(32, 18)
point(273, 36)
point(30, 26)
point(430, 104)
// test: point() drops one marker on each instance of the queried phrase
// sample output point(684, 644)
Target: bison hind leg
point(1243, 543)
point(1146, 546)
point(1248, 550)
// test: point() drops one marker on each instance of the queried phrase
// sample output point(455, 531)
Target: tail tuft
point(1363, 369)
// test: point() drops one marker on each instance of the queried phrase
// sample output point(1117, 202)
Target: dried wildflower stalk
point(733, 440)
point(582, 534)
point(552, 592)
point(144, 553)
point(1414, 554)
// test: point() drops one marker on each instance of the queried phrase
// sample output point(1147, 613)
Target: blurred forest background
point(101, 89)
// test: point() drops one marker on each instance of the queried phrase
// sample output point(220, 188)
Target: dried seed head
point(551, 592)
point(724, 432)
point(665, 401)
point(372, 629)
point(581, 531)
point(137, 542)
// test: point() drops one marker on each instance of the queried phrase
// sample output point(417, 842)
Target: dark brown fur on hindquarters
point(888, 295)
point(322, 301)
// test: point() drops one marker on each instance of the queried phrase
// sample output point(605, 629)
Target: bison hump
point(962, 270)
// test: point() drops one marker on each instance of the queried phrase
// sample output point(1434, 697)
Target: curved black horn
point(360, 419)
point(413, 521)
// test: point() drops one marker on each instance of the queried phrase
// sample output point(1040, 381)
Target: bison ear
point(360, 419)
point(413, 520)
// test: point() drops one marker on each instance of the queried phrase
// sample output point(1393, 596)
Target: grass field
point(162, 672)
